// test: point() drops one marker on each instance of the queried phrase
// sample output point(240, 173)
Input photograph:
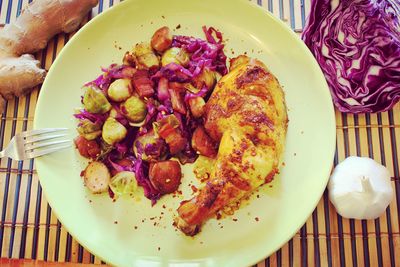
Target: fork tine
point(32, 139)
point(38, 153)
point(44, 144)
point(42, 131)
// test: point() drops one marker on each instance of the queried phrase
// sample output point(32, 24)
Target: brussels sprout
point(95, 101)
point(96, 177)
point(89, 130)
point(150, 146)
point(123, 183)
point(134, 109)
point(113, 131)
point(148, 61)
point(120, 90)
point(205, 78)
point(142, 48)
point(145, 57)
point(175, 55)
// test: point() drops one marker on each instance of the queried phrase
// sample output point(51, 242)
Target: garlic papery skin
point(360, 188)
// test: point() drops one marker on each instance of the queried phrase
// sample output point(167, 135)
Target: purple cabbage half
point(357, 45)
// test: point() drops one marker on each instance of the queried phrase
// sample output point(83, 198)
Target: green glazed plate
point(130, 232)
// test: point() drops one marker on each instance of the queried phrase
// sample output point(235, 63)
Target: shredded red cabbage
point(203, 54)
point(202, 93)
point(93, 117)
point(357, 44)
point(142, 177)
point(208, 53)
point(112, 73)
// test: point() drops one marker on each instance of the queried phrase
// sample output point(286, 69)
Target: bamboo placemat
point(30, 230)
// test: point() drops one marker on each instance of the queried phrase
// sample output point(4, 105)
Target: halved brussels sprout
point(134, 109)
point(123, 183)
point(89, 130)
point(142, 48)
point(145, 56)
point(175, 55)
point(120, 90)
point(95, 101)
point(96, 177)
point(113, 131)
point(152, 147)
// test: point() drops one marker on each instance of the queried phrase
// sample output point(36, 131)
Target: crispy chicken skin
point(247, 114)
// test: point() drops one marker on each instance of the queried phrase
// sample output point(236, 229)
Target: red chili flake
point(111, 193)
point(234, 219)
point(178, 26)
point(194, 189)
point(163, 206)
point(115, 222)
point(82, 173)
point(257, 219)
point(219, 216)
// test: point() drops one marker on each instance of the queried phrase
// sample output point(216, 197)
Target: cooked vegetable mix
point(357, 45)
point(139, 115)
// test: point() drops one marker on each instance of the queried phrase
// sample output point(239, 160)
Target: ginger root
point(37, 24)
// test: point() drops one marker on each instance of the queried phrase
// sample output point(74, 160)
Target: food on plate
point(247, 115)
point(38, 22)
point(360, 188)
point(134, 109)
point(123, 183)
point(139, 115)
point(161, 40)
point(166, 105)
point(113, 131)
point(97, 177)
point(357, 45)
point(94, 100)
point(165, 176)
point(120, 90)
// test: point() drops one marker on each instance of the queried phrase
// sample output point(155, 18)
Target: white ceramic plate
point(106, 228)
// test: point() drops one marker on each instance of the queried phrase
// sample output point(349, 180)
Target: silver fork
point(36, 143)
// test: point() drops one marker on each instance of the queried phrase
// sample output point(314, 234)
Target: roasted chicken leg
point(247, 114)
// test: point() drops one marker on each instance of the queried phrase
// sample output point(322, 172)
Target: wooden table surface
point(30, 230)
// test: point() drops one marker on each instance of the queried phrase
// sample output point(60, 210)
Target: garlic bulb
point(360, 188)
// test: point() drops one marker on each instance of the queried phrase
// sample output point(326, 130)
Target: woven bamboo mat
point(29, 229)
